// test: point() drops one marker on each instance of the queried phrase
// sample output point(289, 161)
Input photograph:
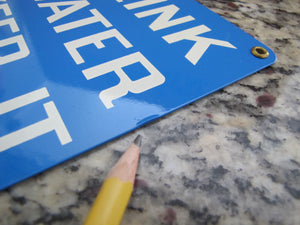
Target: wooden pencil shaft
point(116, 190)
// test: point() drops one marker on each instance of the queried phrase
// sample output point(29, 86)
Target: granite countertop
point(230, 158)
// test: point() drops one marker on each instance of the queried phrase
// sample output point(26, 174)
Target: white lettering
point(23, 100)
point(12, 24)
point(6, 9)
point(22, 53)
point(58, 14)
point(97, 17)
point(95, 39)
point(163, 21)
point(54, 121)
point(126, 84)
point(201, 45)
point(141, 3)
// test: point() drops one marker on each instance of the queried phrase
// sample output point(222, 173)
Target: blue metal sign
point(76, 74)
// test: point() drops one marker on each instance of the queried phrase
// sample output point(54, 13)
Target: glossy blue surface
point(87, 120)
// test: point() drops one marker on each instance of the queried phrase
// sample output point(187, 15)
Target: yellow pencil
point(116, 190)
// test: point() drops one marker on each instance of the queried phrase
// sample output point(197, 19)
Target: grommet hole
point(260, 52)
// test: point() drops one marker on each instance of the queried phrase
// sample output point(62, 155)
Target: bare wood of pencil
point(116, 190)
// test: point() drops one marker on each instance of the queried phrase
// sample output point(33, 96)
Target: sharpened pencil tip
point(138, 140)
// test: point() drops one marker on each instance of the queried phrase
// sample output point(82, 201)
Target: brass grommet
point(260, 52)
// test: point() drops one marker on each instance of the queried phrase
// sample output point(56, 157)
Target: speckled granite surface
point(230, 158)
